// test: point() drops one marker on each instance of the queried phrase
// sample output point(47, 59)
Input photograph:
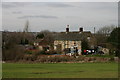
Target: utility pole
point(94, 30)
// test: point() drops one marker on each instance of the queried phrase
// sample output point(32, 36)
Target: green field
point(60, 70)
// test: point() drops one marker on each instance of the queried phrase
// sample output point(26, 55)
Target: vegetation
point(97, 55)
point(85, 46)
point(24, 41)
point(35, 58)
point(115, 37)
point(40, 36)
point(103, 33)
point(48, 36)
point(108, 37)
point(60, 70)
point(14, 45)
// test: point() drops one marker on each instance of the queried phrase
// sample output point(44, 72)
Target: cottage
point(70, 42)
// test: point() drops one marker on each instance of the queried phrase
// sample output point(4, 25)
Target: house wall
point(40, 47)
point(67, 44)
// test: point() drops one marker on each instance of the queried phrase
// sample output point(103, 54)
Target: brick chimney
point(80, 29)
point(67, 29)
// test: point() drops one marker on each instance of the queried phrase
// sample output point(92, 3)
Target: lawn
point(60, 70)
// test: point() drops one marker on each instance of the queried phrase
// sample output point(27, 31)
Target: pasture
point(60, 70)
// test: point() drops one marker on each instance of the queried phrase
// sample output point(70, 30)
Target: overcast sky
point(54, 16)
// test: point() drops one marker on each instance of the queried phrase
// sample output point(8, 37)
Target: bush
point(30, 57)
point(54, 58)
point(28, 52)
point(51, 52)
point(14, 53)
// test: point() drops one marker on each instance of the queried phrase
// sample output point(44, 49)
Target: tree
point(48, 36)
point(106, 30)
point(115, 37)
point(84, 45)
point(24, 41)
point(103, 33)
point(10, 46)
point(40, 36)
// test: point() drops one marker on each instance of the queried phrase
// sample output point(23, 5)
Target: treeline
point(109, 37)
point(15, 44)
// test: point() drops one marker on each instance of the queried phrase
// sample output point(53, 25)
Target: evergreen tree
point(84, 46)
point(115, 37)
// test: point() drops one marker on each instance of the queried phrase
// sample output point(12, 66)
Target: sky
point(59, 0)
point(54, 16)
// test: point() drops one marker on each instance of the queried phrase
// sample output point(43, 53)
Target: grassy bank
point(60, 70)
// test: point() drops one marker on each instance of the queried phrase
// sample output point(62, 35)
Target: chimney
point(80, 29)
point(67, 29)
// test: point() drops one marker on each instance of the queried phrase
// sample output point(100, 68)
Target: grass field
point(60, 70)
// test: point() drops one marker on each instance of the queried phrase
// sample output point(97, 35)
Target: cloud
point(9, 5)
point(38, 16)
point(14, 4)
point(59, 14)
point(60, 0)
point(17, 12)
point(56, 4)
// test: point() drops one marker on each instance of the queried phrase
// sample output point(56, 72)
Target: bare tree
point(26, 29)
point(11, 48)
point(103, 33)
point(48, 36)
point(106, 30)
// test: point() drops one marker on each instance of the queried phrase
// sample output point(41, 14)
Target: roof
point(71, 36)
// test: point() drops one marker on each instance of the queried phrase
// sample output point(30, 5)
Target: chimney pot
point(80, 29)
point(67, 29)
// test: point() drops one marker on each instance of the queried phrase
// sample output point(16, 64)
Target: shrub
point(14, 53)
point(54, 58)
point(51, 52)
point(28, 52)
point(29, 57)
